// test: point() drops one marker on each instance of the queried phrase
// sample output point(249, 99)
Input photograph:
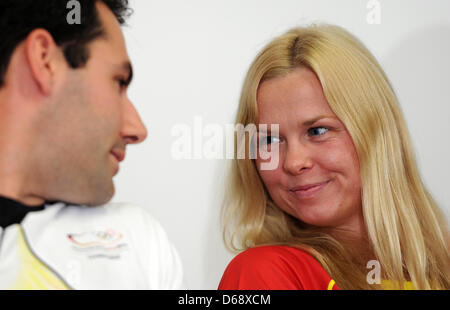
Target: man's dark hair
point(19, 17)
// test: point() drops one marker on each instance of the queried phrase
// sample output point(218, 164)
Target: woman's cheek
point(268, 158)
point(335, 155)
point(268, 177)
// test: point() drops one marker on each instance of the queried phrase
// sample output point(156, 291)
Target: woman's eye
point(268, 140)
point(317, 131)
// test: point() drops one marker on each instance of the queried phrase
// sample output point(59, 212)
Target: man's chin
point(98, 198)
point(101, 199)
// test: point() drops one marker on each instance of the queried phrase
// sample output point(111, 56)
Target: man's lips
point(118, 154)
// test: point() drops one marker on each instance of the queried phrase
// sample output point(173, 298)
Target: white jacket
point(115, 246)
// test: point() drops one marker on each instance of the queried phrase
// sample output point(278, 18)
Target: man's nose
point(133, 129)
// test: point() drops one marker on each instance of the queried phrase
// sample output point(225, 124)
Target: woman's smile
point(309, 191)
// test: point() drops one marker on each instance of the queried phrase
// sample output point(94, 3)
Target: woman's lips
point(308, 191)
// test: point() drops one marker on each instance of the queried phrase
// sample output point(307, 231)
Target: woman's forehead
point(296, 95)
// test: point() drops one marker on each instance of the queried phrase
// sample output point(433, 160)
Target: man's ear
point(42, 55)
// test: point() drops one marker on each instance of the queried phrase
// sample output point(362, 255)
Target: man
point(65, 122)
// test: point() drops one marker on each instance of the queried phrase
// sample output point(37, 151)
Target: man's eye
point(317, 131)
point(122, 83)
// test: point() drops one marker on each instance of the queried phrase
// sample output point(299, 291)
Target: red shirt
point(275, 268)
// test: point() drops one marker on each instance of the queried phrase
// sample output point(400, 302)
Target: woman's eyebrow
point(267, 128)
point(315, 119)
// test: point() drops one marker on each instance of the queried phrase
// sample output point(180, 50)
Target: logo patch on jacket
point(96, 244)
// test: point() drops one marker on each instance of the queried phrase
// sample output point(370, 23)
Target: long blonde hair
point(407, 231)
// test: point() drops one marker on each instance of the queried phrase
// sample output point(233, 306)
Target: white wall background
point(190, 57)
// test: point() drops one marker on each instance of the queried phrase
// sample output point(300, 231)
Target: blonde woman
point(346, 193)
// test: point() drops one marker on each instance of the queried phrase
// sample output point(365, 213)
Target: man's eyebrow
point(130, 72)
point(126, 66)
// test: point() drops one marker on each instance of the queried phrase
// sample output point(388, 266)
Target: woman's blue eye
point(268, 140)
point(317, 131)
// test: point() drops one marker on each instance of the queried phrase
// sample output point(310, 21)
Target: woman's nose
point(297, 159)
